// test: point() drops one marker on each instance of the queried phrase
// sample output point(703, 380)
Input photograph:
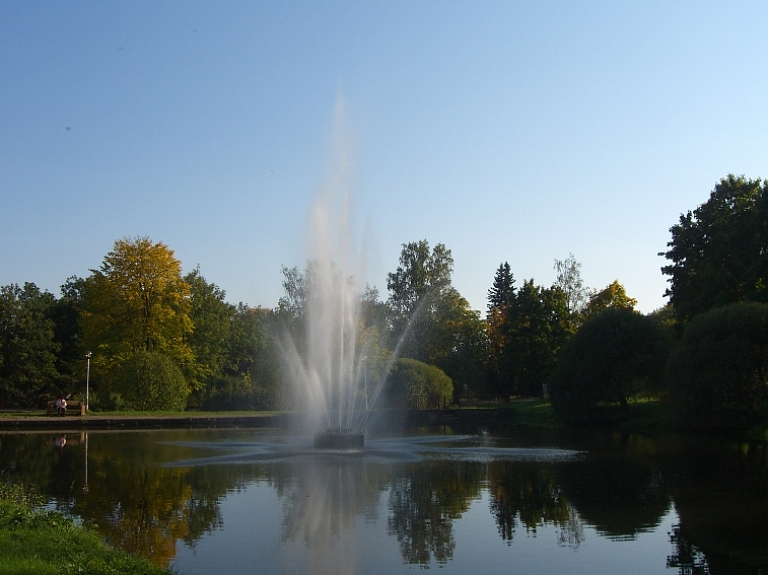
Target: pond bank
point(257, 420)
point(53, 423)
point(33, 540)
point(647, 418)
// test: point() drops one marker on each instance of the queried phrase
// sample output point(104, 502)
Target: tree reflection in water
point(149, 491)
point(530, 494)
point(424, 499)
point(687, 558)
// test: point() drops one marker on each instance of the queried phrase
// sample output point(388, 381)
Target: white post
point(87, 378)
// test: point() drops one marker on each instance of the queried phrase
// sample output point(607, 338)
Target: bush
point(614, 356)
point(717, 375)
point(239, 393)
point(415, 384)
point(151, 381)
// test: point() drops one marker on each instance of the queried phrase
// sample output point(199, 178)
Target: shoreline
point(199, 420)
point(117, 422)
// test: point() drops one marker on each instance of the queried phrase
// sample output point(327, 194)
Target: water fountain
point(329, 375)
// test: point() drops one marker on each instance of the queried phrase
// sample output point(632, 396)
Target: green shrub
point(717, 374)
point(614, 356)
point(151, 381)
point(417, 385)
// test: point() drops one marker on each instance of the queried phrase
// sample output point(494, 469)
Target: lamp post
point(87, 378)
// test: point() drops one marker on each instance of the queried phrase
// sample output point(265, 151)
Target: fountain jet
point(330, 374)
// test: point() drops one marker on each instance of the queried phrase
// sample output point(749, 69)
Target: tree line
point(163, 340)
point(160, 339)
point(706, 352)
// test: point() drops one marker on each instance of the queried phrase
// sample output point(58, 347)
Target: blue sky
point(508, 131)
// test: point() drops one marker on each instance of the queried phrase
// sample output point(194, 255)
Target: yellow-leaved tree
point(137, 305)
point(614, 296)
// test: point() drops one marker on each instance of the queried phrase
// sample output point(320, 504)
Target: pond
point(520, 500)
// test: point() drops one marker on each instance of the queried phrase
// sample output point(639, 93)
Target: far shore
point(35, 420)
point(535, 412)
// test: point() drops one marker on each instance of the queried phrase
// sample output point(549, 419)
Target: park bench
point(73, 408)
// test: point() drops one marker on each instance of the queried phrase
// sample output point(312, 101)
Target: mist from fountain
point(329, 377)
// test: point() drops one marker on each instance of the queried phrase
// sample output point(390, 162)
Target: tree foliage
point(413, 383)
point(430, 320)
point(719, 252)
point(415, 289)
point(614, 356)
point(150, 381)
point(458, 343)
point(502, 292)
point(251, 379)
point(718, 373)
point(614, 296)
point(68, 334)
point(421, 273)
point(526, 329)
point(27, 345)
point(569, 281)
point(138, 301)
point(213, 320)
point(539, 324)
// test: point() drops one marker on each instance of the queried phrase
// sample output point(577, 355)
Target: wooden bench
point(73, 407)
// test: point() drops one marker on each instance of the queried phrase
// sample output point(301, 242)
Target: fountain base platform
point(339, 439)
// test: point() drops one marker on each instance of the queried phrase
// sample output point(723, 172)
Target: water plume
point(328, 375)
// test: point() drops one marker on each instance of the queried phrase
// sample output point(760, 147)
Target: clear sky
point(508, 131)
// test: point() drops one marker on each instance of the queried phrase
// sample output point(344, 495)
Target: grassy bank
point(39, 542)
point(537, 412)
point(647, 417)
point(11, 413)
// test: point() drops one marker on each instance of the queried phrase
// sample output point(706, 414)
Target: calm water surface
point(504, 501)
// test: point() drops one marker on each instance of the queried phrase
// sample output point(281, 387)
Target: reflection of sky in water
point(334, 513)
point(251, 543)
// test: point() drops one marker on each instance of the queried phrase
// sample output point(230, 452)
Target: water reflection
point(150, 492)
point(321, 499)
point(530, 496)
point(424, 501)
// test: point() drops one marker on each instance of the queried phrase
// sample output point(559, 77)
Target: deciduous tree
point(137, 302)
point(614, 296)
point(27, 346)
point(719, 252)
point(415, 288)
point(569, 280)
point(213, 320)
point(538, 324)
point(615, 355)
point(718, 373)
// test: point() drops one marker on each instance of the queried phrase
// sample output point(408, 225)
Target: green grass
point(126, 413)
point(192, 413)
point(39, 542)
point(646, 416)
point(22, 413)
point(536, 412)
point(649, 416)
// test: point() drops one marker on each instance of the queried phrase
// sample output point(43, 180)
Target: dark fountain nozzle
point(339, 438)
